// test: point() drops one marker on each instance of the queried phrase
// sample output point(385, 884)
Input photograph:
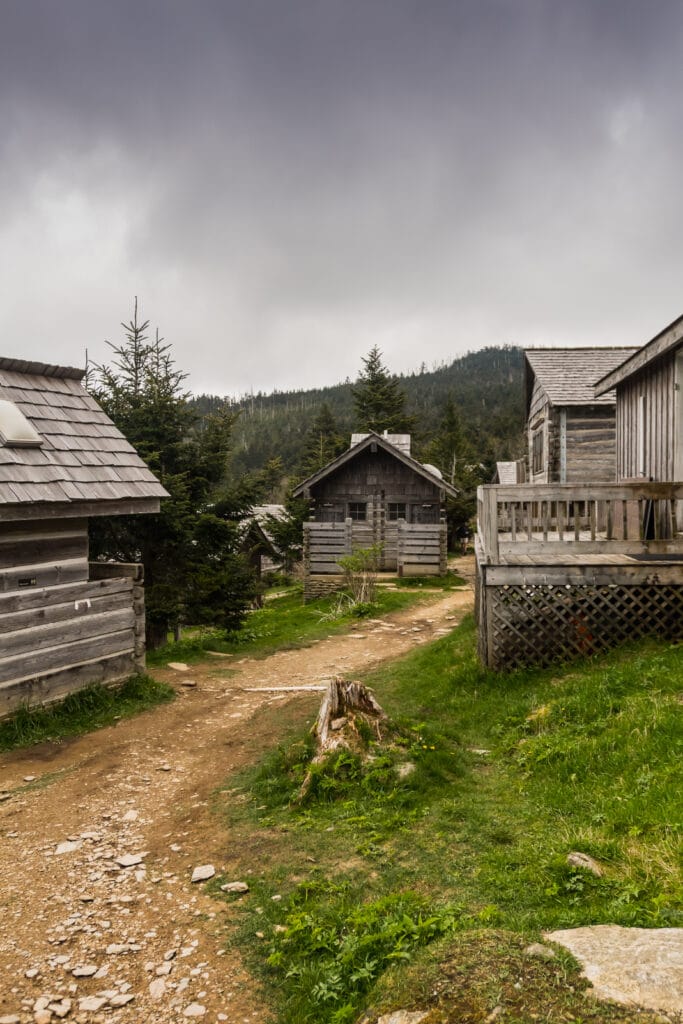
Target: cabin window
point(537, 452)
point(426, 513)
point(358, 511)
point(330, 513)
point(396, 510)
point(15, 429)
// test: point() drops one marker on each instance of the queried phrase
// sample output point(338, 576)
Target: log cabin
point(374, 494)
point(64, 622)
point(570, 430)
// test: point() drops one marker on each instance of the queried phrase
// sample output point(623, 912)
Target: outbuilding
point(64, 622)
point(570, 429)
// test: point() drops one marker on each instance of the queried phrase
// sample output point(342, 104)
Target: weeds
point(487, 783)
point(80, 712)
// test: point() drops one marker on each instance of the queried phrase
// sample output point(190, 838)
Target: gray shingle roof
point(568, 376)
point(83, 456)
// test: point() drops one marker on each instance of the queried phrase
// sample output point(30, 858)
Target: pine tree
point(323, 442)
point(193, 570)
point(378, 398)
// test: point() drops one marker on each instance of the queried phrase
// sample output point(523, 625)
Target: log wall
point(55, 640)
point(42, 553)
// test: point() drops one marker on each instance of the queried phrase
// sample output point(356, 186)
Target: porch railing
point(625, 518)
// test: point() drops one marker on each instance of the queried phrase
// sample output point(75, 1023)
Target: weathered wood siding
point(376, 477)
point(53, 640)
point(655, 383)
point(590, 445)
point(42, 553)
point(579, 444)
point(411, 549)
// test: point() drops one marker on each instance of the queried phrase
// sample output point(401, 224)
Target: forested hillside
point(485, 386)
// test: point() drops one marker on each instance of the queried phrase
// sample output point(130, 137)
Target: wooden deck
point(564, 571)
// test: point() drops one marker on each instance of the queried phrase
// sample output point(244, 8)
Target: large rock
point(641, 966)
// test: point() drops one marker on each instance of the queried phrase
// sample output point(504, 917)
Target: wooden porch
point(566, 570)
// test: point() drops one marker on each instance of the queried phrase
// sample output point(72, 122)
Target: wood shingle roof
point(568, 375)
point(83, 457)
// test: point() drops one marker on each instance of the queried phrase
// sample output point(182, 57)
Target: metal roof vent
point(15, 429)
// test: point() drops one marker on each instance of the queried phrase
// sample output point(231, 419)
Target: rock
point(630, 965)
point(5, 796)
point(29, 778)
point(61, 1009)
point(494, 1014)
point(120, 947)
point(188, 682)
point(164, 969)
point(203, 873)
point(584, 862)
point(235, 887)
point(41, 1003)
point(194, 1010)
point(32, 972)
point(403, 1017)
point(177, 666)
point(129, 860)
point(86, 897)
point(85, 971)
point(91, 1004)
point(170, 954)
point(67, 847)
point(157, 989)
point(122, 999)
point(405, 769)
point(42, 1017)
point(541, 952)
point(130, 815)
point(10, 1018)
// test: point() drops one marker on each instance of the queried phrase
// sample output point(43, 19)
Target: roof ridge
point(41, 369)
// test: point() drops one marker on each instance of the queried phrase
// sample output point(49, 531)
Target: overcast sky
point(285, 183)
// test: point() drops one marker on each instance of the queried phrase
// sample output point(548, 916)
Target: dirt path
point(91, 939)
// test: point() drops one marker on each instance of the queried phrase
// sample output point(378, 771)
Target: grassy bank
point(81, 712)
point(420, 874)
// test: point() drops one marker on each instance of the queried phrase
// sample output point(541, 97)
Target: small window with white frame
point(396, 510)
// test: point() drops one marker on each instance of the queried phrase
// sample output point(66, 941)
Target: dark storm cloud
point(286, 183)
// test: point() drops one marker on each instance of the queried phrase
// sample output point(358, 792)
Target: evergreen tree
point(378, 398)
point(323, 442)
point(193, 569)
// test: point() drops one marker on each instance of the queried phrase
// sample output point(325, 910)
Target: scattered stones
point(194, 1010)
point(91, 1004)
point(403, 1017)
point(235, 887)
point(5, 796)
point(131, 815)
point(85, 971)
point(129, 860)
point(33, 972)
point(69, 846)
point(170, 954)
point(541, 952)
point(30, 778)
point(177, 666)
point(10, 1018)
point(86, 897)
point(157, 989)
point(122, 999)
point(42, 1017)
point(585, 863)
point(190, 683)
point(60, 1009)
point(164, 969)
point(203, 873)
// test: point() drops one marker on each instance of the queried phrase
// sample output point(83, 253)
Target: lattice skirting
point(538, 624)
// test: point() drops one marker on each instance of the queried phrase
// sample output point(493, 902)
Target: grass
point(284, 623)
point(511, 773)
point(81, 712)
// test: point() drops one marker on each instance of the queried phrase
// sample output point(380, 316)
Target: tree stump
point(345, 702)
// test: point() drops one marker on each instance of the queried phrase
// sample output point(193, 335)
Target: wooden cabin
point(64, 622)
point(258, 543)
point(375, 493)
point(649, 400)
point(566, 568)
point(570, 431)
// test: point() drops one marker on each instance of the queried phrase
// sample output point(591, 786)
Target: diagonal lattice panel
point(538, 624)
